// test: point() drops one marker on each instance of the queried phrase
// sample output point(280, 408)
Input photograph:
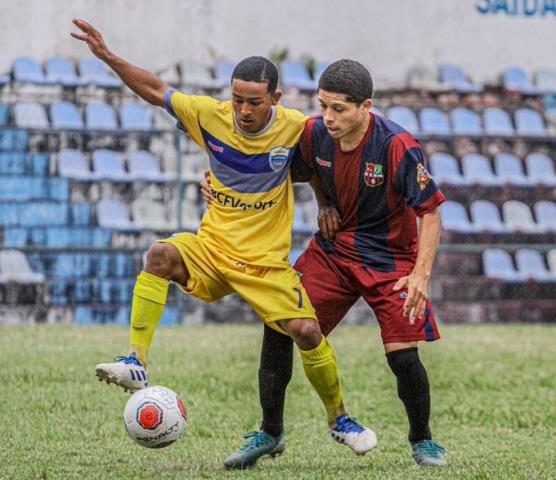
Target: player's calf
point(126, 372)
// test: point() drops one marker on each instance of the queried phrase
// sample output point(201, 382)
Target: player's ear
point(367, 104)
point(276, 97)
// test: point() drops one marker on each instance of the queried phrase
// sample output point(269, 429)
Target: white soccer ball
point(155, 417)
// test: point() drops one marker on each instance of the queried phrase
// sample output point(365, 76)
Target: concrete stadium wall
point(483, 36)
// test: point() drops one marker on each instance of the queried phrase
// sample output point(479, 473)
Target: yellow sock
point(149, 299)
point(320, 367)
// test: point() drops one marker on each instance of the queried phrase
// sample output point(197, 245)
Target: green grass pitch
point(493, 391)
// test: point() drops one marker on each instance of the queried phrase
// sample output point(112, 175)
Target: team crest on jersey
point(373, 175)
point(423, 176)
point(278, 157)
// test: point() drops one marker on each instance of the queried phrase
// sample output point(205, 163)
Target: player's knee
point(305, 333)
point(162, 259)
point(403, 361)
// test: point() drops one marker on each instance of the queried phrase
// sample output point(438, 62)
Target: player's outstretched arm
point(144, 83)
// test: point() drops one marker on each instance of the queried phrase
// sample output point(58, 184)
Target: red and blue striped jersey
point(379, 188)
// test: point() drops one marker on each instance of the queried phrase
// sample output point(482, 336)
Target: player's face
point(341, 117)
point(252, 104)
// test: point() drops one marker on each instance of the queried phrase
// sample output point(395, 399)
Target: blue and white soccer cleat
point(428, 453)
point(258, 444)
point(357, 437)
point(127, 372)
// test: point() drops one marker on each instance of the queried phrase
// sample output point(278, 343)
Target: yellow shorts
point(274, 293)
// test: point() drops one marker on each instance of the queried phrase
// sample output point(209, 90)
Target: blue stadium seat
point(545, 213)
point(453, 77)
point(4, 80)
point(143, 165)
point(545, 80)
point(95, 72)
point(108, 165)
point(465, 122)
point(295, 75)
point(9, 214)
point(497, 122)
point(486, 217)
point(445, 169)
point(15, 237)
point(551, 260)
point(73, 164)
point(498, 264)
point(195, 74)
point(404, 117)
point(510, 170)
point(12, 163)
point(477, 169)
point(38, 163)
point(515, 79)
point(134, 116)
point(454, 217)
point(22, 188)
point(58, 188)
point(4, 115)
point(27, 70)
point(114, 214)
point(61, 70)
point(529, 122)
point(100, 116)
point(223, 70)
point(434, 121)
point(81, 213)
point(30, 115)
point(14, 140)
point(530, 264)
point(65, 115)
point(540, 169)
point(43, 214)
point(518, 218)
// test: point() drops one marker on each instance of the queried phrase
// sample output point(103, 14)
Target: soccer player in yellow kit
point(243, 242)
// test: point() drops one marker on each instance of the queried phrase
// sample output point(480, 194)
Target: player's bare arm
point(417, 282)
point(144, 83)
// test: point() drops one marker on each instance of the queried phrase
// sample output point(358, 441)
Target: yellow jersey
point(251, 215)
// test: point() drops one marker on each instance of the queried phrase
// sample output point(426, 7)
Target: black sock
point(413, 390)
point(275, 373)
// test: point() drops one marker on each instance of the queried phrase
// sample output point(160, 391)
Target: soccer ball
point(155, 417)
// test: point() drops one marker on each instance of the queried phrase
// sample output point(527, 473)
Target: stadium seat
point(30, 115)
point(518, 217)
point(510, 170)
point(4, 115)
point(93, 71)
point(61, 70)
point(530, 264)
point(454, 78)
point(134, 116)
point(445, 169)
point(150, 215)
point(4, 80)
point(478, 170)
point(108, 165)
point(115, 215)
point(497, 122)
point(100, 116)
point(190, 215)
point(454, 217)
point(27, 70)
point(196, 75)
point(515, 79)
point(545, 213)
point(545, 80)
point(529, 122)
point(14, 267)
point(551, 260)
point(498, 264)
point(65, 115)
point(73, 164)
point(465, 122)
point(434, 121)
point(223, 70)
point(142, 165)
point(540, 169)
point(486, 217)
point(295, 75)
point(299, 223)
point(404, 117)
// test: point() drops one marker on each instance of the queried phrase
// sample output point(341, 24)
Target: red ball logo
point(149, 415)
point(181, 406)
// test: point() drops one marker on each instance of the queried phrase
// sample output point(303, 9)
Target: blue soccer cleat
point(126, 372)
point(428, 453)
point(349, 432)
point(257, 445)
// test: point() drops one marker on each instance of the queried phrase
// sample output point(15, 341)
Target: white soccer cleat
point(127, 372)
point(357, 437)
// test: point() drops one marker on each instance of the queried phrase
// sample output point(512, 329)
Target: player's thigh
point(387, 305)
point(204, 281)
point(326, 286)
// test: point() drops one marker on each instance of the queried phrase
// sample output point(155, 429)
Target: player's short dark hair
point(348, 77)
point(257, 69)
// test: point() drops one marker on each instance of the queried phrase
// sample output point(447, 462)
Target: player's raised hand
point(329, 222)
point(205, 188)
point(92, 38)
point(415, 303)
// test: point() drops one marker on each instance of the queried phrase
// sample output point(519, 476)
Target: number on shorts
point(300, 297)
